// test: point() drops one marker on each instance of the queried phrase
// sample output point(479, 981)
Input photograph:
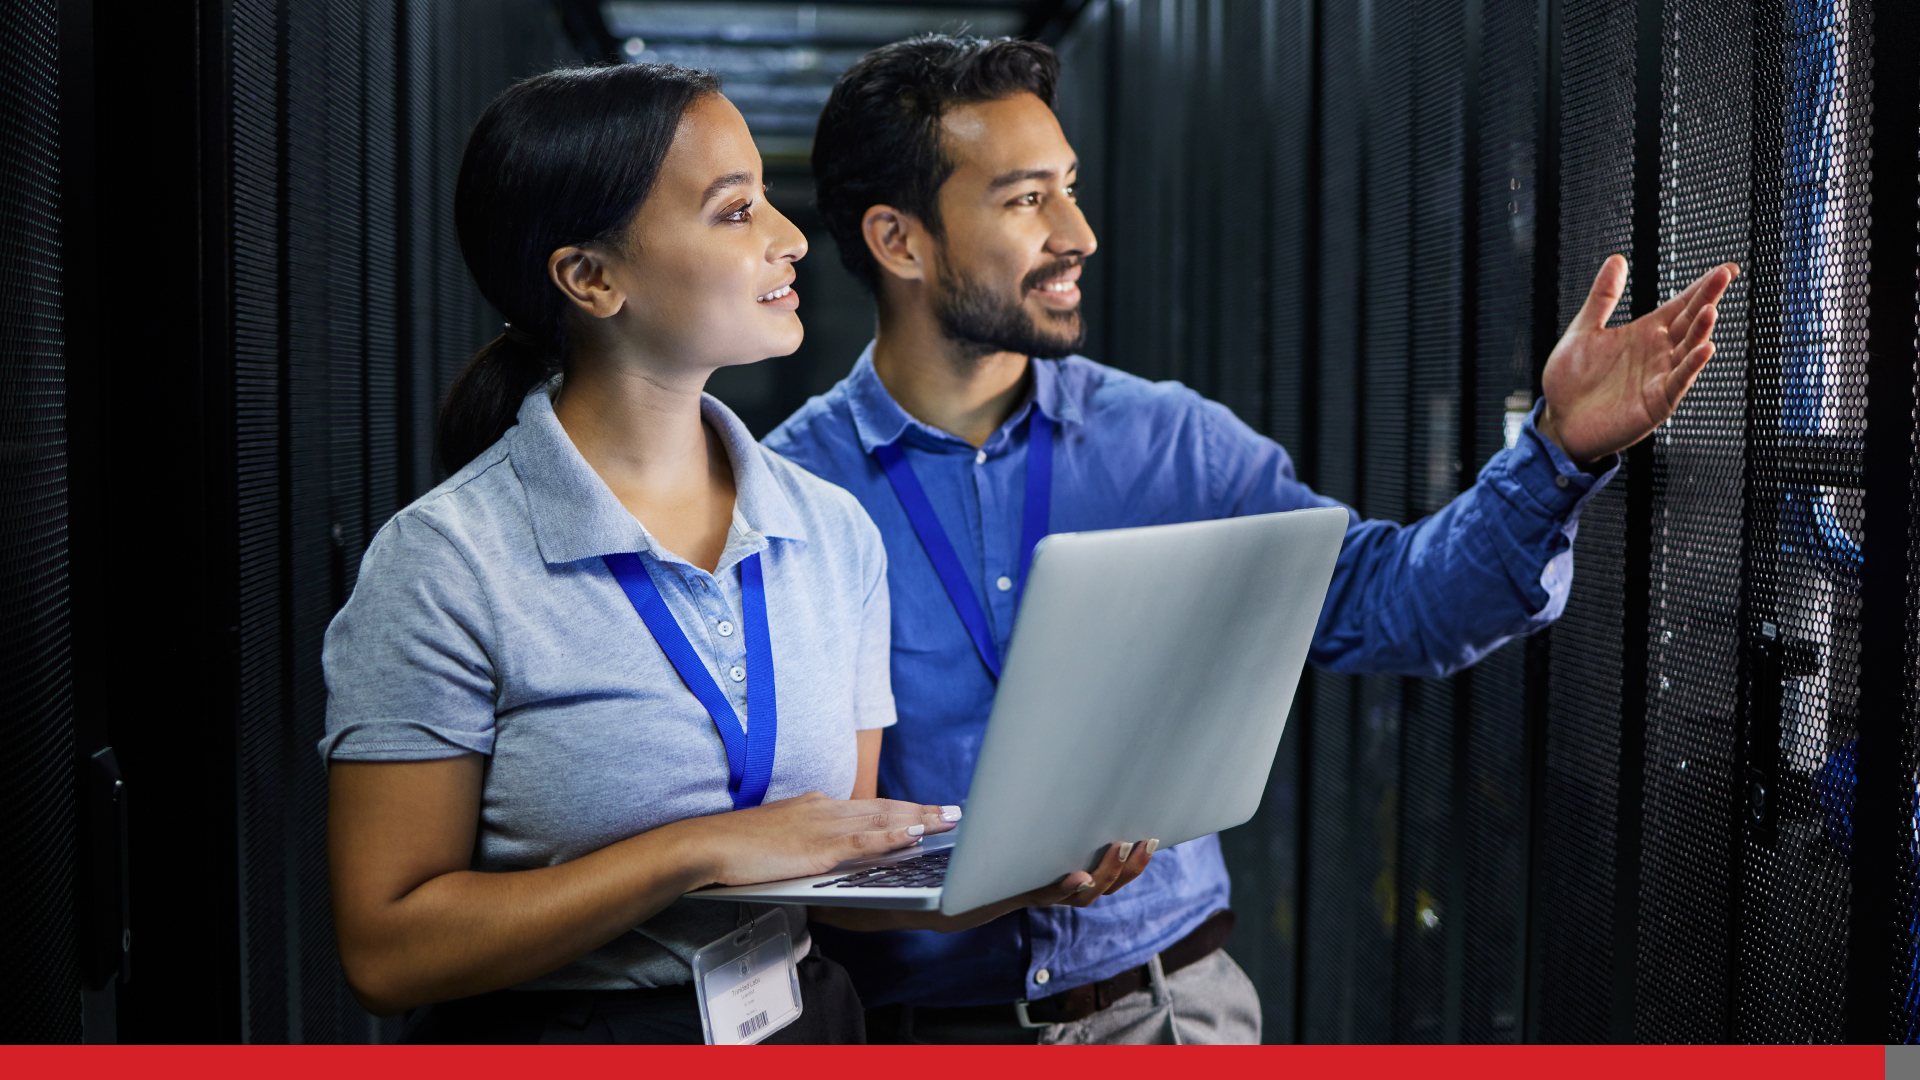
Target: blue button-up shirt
point(1423, 599)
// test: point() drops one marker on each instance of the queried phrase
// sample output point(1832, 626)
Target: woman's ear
point(891, 236)
point(583, 278)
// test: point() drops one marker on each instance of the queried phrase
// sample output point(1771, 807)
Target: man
point(949, 188)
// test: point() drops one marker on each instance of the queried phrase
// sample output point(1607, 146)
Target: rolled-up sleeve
point(408, 670)
point(873, 663)
point(1435, 596)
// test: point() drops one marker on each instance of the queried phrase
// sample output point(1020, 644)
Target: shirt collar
point(576, 516)
point(880, 420)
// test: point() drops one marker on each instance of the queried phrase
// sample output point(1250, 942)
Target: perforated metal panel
point(1490, 780)
point(1401, 137)
point(39, 998)
point(1903, 967)
point(351, 314)
point(1659, 823)
point(1421, 84)
point(1573, 910)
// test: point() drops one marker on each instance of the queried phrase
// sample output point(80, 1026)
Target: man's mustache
point(1050, 271)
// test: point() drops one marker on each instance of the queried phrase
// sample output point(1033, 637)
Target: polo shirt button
point(737, 673)
point(980, 457)
point(1560, 481)
point(725, 628)
point(1004, 583)
point(1042, 976)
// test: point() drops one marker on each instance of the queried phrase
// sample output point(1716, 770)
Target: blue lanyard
point(933, 538)
point(749, 751)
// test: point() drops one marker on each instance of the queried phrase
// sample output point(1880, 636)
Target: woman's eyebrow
point(730, 180)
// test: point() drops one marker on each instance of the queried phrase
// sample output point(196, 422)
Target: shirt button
point(1560, 481)
point(737, 673)
point(1042, 976)
point(1003, 584)
point(980, 457)
point(725, 628)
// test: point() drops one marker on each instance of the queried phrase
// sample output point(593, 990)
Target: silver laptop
point(1143, 696)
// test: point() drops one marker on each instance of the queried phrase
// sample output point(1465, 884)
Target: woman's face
point(708, 268)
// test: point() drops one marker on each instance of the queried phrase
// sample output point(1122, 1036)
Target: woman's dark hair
point(879, 135)
point(561, 159)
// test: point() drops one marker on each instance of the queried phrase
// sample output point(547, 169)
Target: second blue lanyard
point(1034, 521)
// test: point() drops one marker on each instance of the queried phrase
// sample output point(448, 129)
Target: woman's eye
point(1031, 198)
point(740, 213)
point(1073, 192)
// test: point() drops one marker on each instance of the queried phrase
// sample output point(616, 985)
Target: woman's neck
point(643, 434)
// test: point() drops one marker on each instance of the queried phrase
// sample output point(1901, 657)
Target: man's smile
point(1060, 291)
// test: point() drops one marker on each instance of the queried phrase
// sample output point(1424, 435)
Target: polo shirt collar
point(880, 420)
point(576, 516)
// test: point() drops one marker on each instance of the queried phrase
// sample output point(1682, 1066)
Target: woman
point(537, 691)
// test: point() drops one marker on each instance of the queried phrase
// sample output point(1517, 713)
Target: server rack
point(1687, 812)
point(233, 300)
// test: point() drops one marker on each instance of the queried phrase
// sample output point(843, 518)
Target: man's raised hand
point(1608, 388)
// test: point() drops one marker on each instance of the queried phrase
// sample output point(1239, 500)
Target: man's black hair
point(879, 136)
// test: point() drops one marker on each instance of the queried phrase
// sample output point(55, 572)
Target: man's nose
point(1071, 234)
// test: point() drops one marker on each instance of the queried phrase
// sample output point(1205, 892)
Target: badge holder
point(748, 982)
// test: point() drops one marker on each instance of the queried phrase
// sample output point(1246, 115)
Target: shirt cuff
point(1537, 472)
point(401, 740)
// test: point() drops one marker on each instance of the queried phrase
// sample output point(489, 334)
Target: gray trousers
point(1209, 1001)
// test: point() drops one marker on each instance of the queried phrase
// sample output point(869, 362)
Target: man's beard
point(983, 322)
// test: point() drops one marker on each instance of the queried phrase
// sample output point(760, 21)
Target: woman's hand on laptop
point(1120, 865)
point(807, 834)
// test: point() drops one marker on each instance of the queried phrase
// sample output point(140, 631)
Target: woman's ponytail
point(559, 160)
point(485, 398)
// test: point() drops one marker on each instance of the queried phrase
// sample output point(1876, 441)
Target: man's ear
point(583, 279)
point(895, 239)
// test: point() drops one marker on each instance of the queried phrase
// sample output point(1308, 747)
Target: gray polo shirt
point(484, 621)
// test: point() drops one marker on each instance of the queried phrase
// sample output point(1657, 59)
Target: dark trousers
point(669, 1014)
point(996, 1025)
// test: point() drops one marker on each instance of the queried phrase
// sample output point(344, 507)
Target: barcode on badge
point(752, 1024)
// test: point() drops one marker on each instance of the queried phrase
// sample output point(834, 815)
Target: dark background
point(230, 302)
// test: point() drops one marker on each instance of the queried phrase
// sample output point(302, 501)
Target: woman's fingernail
point(916, 830)
point(1152, 846)
point(1085, 885)
point(1126, 850)
point(949, 813)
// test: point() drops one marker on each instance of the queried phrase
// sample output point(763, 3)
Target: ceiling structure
point(777, 61)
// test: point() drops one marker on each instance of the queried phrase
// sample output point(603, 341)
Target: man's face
point(1008, 269)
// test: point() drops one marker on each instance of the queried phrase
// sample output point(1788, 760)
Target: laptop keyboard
point(926, 872)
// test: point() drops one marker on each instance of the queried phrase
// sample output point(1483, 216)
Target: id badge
point(748, 982)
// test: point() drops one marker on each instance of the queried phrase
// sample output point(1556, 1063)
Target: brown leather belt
point(1083, 1001)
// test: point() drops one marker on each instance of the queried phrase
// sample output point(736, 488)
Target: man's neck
point(942, 384)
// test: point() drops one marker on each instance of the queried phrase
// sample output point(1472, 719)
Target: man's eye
point(1073, 191)
point(1031, 198)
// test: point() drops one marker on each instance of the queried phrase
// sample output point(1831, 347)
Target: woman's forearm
point(416, 925)
point(467, 932)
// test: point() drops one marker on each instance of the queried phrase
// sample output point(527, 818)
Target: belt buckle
point(1020, 1013)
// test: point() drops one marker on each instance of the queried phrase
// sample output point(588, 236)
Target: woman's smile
point(782, 298)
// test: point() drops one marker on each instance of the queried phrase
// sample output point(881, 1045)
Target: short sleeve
point(408, 673)
point(873, 664)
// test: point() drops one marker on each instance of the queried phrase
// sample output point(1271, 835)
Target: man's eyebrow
point(725, 182)
point(1017, 175)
